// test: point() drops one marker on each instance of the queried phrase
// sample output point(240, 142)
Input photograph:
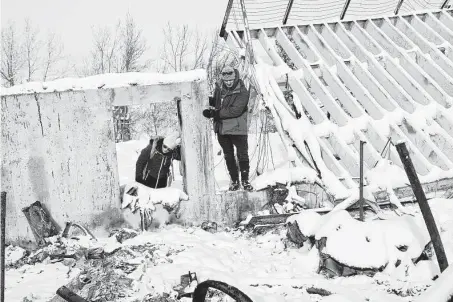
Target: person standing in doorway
point(152, 168)
point(228, 109)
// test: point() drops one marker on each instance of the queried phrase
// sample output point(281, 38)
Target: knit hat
point(228, 73)
point(173, 140)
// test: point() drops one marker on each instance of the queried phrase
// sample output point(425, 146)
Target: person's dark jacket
point(153, 162)
point(231, 105)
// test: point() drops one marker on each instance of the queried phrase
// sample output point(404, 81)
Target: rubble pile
point(349, 247)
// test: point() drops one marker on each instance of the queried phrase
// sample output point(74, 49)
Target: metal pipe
point(398, 7)
point(288, 10)
point(444, 4)
point(345, 8)
point(2, 244)
point(225, 19)
point(361, 181)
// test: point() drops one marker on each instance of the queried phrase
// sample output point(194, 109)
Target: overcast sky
point(73, 19)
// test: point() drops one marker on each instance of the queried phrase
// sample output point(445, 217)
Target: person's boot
point(234, 185)
point(245, 166)
point(233, 171)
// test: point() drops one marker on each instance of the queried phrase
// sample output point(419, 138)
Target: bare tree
point(118, 49)
point(132, 46)
point(104, 55)
point(31, 48)
point(53, 54)
point(183, 49)
point(13, 59)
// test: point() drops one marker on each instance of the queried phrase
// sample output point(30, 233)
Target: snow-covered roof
point(362, 80)
point(105, 81)
point(265, 13)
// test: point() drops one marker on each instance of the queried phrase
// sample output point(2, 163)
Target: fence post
point(424, 206)
point(2, 245)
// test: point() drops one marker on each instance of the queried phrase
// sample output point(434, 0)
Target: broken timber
point(424, 206)
point(405, 194)
point(40, 222)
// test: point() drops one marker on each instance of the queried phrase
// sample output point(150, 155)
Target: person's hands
point(216, 115)
point(208, 113)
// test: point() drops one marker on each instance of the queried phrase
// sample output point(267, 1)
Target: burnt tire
point(199, 295)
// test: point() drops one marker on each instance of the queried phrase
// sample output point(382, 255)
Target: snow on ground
point(37, 282)
point(260, 266)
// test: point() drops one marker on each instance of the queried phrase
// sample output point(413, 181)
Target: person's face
point(165, 148)
point(230, 81)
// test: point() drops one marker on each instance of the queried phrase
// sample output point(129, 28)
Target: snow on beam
point(289, 48)
point(415, 81)
point(442, 79)
point(428, 76)
point(384, 78)
point(349, 41)
point(445, 18)
point(424, 30)
point(306, 99)
point(404, 27)
point(336, 45)
point(438, 26)
point(363, 78)
point(399, 75)
point(312, 81)
point(434, 53)
point(305, 49)
point(106, 81)
point(426, 146)
point(270, 48)
point(360, 92)
point(364, 38)
point(444, 120)
point(321, 47)
point(339, 91)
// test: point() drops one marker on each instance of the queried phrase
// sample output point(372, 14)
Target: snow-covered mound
point(284, 176)
point(365, 245)
point(148, 198)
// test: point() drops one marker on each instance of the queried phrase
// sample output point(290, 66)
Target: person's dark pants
point(228, 142)
point(151, 182)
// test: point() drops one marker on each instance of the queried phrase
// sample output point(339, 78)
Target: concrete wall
point(58, 148)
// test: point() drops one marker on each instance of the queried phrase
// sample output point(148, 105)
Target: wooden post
point(197, 154)
point(225, 19)
point(2, 245)
point(361, 181)
point(288, 11)
point(345, 9)
point(424, 206)
point(398, 7)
